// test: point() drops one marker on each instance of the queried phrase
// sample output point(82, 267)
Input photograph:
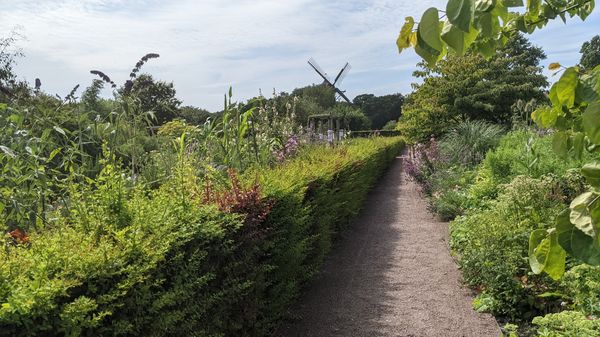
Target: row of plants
point(194, 256)
point(497, 189)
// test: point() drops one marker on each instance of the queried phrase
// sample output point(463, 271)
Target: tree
point(590, 53)
point(380, 109)
point(8, 56)
point(194, 115)
point(351, 117)
point(469, 87)
point(156, 96)
point(322, 94)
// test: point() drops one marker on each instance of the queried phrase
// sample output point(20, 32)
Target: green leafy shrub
point(518, 153)
point(567, 324)
point(582, 284)
point(449, 186)
point(492, 245)
point(121, 260)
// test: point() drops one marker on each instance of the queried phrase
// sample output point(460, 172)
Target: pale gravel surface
point(390, 274)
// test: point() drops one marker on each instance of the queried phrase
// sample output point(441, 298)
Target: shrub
point(468, 142)
point(492, 244)
point(121, 260)
point(518, 153)
point(582, 284)
point(567, 324)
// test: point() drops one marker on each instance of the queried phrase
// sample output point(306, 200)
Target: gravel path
point(390, 274)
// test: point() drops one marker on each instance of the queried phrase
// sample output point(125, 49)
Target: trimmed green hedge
point(124, 261)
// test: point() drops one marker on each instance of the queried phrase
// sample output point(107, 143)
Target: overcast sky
point(208, 45)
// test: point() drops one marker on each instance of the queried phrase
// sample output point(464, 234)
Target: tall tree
point(590, 53)
point(470, 87)
point(380, 109)
point(156, 96)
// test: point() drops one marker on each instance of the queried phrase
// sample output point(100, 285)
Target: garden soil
point(389, 274)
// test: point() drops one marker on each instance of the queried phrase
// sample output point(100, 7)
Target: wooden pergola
point(325, 127)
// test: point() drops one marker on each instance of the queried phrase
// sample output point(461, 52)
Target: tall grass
point(469, 141)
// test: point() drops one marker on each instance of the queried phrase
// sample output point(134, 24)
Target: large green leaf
point(588, 89)
point(560, 143)
point(591, 172)
point(578, 145)
point(566, 87)
point(429, 30)
point(546, 254)
point(580, 213)
point(591, 122)
point(488, 23)
point(545, 116)
point(575, 242)
point(460, 13)
point(536, 259)
point(456, 39)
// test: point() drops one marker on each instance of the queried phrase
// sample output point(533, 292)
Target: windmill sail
point(319, 70)
point(338, 78)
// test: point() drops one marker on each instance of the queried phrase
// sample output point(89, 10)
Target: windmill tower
point(337, 79)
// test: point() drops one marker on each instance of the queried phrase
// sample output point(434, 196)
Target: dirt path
point(390, 274)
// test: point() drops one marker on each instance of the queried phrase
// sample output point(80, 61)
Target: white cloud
point(207, 45)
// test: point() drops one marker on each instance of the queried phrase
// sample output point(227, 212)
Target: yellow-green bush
point(126, 261)
point(567, 324)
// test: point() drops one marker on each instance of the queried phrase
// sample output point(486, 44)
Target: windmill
point(338, 78)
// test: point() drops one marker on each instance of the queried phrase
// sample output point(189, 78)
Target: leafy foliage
point(482, 26)
point(470, 87)
point(380, 109)
point(469, 141)
point(590, 53)
point(125, 260)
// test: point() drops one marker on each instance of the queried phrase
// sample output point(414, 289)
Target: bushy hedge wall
point(125, 261)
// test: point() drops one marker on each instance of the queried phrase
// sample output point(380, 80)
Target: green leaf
point(429, 30)
point(575, 242)
point(591, 122)
point(591, 172)
point(566, 87)
point(8, 151)
point(404, 39)
point(486, 47)
point(578, 145)
point(534, 6)
point(484, 5)
point(556, 258)
point(537, 244)
point(560, 144)
point(60, 130)
point(454, 38)
point(580, 214)
point(425, 51)
point(546, 254)
point(588, 89)
point(545, 116)
point(460, 13)
point(54, 153)
point(488, 24)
